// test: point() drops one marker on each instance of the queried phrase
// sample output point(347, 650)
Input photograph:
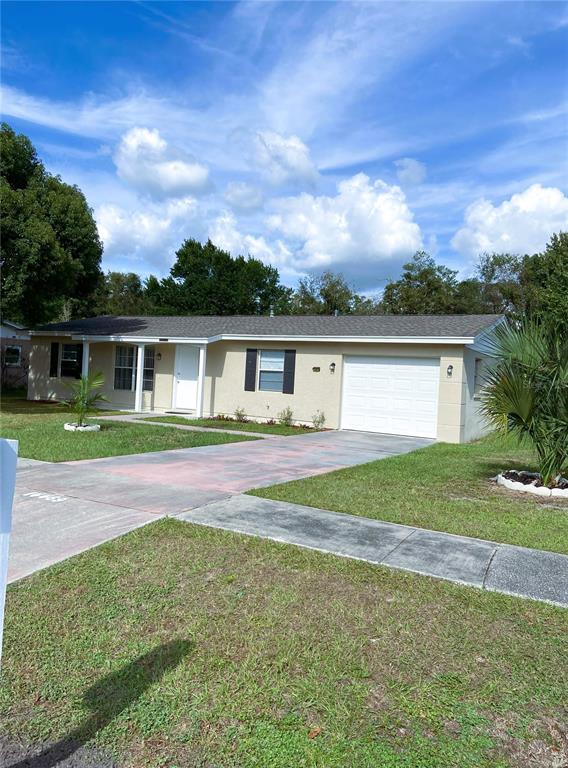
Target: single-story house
point(14, 353)
point(399, 374)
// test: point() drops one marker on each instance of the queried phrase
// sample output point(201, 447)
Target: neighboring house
point(404, 375)
point(14, 354)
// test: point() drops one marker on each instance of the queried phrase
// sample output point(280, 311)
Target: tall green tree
point(545, 280)
point(50, 251)
point(122, 293)
point(206, 280)
point(499, 277)
point(328, 293)
point(424, 288)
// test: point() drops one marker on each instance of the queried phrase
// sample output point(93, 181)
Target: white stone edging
point(542, 490)
point(70, 427)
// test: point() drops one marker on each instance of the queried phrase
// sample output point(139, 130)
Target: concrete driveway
point(63, 509)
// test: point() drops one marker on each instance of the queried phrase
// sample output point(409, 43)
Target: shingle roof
point(292, 326)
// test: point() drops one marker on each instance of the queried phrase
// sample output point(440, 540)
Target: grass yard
point(443, 487)
point(244, 426)
point(178, 645)
point(39, 428)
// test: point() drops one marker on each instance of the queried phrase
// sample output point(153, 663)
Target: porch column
point(85, 361)
point(139, 378)
point(201, 380)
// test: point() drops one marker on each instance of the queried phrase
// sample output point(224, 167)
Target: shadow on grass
point(108, 698)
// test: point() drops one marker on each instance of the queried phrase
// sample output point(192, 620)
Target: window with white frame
point(148, 379)
point(271, 370)
point(124, 367)
point(13, 356)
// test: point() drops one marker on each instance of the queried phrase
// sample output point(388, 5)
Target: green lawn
point(443, 487)
point(39, 429)
point(245, 426)
point(179, 645)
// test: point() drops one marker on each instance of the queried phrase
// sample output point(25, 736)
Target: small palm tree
point(84, 396)
point(526, 391)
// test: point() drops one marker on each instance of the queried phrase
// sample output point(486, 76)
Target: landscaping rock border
point(530, 482)
point(71, 427)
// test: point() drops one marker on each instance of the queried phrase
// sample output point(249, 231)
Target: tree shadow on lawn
point(109, 697)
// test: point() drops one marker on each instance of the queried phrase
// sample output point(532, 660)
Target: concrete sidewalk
point(63, 509)
point(487, 565)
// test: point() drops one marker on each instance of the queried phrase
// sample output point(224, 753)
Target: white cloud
point(224, 232)
point(144, 159)
point(364, 224)
point(243, 197)
point(522, 224)
point(284, 159)
point(152, 232)
point(410, 171)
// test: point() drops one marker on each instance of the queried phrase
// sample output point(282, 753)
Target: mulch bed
point(532, 478)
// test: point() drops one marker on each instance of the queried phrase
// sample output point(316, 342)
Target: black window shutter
point(289, 371)
point(54, 360)
point(250, 370)
point(79, 361)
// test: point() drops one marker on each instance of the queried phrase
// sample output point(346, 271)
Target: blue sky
point(314, 135)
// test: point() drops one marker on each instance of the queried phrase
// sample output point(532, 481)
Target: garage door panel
point(391, 395)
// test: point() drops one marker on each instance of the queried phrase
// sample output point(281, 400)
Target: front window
point(13, 356)
point(124, 368)
point(148, 380)
point(271, 376)
point(71, 360)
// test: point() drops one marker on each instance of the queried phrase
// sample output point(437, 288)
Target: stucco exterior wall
point(475, 424)
point(101, 360)
point(313, 391)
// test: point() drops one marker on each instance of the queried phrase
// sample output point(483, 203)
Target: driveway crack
point(489, 563)
point(400, 543)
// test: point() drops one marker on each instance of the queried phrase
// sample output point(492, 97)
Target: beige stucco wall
point(224, 385)
point(101, 360)
point(458, 419)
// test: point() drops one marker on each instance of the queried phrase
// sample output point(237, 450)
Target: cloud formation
point(149, 233)
point(224, 232)
point(284, 159)
point(410, 171)
point(522, 224)
point(243, 197)
point(146, 161)
point(366, 222)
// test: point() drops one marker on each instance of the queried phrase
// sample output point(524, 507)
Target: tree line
point(51, 269)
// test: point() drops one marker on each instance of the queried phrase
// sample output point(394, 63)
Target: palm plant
point(526, 391)
point(84, 396)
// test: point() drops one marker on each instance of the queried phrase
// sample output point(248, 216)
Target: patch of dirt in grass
point(536, 752)
point(378, 699)
point(158, 751)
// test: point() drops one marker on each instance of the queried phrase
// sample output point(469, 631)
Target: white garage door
point(395, 395)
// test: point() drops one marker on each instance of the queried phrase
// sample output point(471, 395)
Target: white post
point(201, 380)
point(139, 378)
point(8, 464)
point(85, 363)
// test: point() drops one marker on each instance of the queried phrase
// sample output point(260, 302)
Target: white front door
point(395, 395)
point(185, 377)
